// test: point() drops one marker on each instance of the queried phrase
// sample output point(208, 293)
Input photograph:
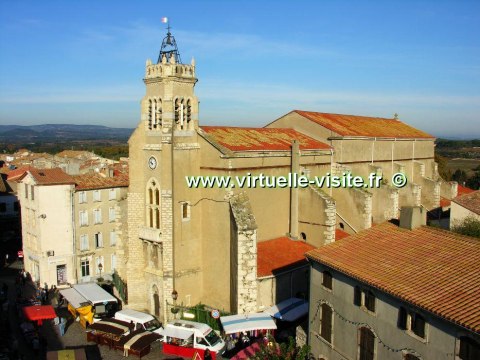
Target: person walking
point(207, 355)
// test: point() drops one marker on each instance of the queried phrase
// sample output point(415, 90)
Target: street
point(74, 337)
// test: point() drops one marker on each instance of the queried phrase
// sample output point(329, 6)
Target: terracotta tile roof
point(55, 176)
point(444, 202)
point(462, 190)
point(363, 126)
point(340, 234)
point(18, 173)
point(260, 139)
point(279, 253)
point(78, 154)
point(470, 201)
point(96, 181)
point(434, 269)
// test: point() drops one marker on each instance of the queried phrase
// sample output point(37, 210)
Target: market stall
point(108, 331)
point(258, 322)
point(137, 342)
point(289, 310)
point(39, 313)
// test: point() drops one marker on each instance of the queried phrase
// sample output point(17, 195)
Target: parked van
point(201, 335)
point(140, 319)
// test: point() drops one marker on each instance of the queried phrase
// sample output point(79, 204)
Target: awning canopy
point(289, 310)
point(177, 333)
point(74, 298)
point(237, 323)
point(39, 312)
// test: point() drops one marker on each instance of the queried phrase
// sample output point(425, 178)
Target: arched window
point(157, 218)
point(149, 115)
point(177, 111)
point(159, 114)
point(411, 357)
point(189, 111)
point(153, 205)
point(326, 323)
point(366, 344)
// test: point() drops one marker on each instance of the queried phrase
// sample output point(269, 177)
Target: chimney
point(412, 217)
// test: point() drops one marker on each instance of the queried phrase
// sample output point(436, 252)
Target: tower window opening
point(177, 109)
point(189, 111)
point(150, 114)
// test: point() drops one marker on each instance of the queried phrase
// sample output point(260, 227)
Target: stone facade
point(208, 253)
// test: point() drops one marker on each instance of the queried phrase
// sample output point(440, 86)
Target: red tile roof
point(17, 173)
point(462, 190)
point(340, 234)
point(55, 176)
point(279, 253)
point(434, 269)
point(260, 139)
point(444, 202)
point(470, 201)
point(96, 181)
point(352, 125)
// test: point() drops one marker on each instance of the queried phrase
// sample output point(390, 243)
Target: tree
point(284, 351)
point(460, 176)
point(443, 170)
point(469, 226)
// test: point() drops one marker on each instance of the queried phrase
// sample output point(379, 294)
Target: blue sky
point(82, 62)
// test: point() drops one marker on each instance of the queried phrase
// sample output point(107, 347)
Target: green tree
point(460, 176)
point(469, 226)
point(284, 351)
point(443, 170)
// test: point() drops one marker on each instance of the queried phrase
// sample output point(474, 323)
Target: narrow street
point(14, 346)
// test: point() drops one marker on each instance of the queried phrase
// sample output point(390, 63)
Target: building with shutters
point(396, 291)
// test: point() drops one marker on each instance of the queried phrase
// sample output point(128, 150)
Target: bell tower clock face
point(152, 162)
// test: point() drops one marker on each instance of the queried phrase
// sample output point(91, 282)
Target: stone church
point(241, 249)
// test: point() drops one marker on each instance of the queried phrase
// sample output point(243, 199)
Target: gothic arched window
point(153, 204)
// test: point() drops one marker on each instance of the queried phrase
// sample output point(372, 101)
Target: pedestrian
point(207, 355)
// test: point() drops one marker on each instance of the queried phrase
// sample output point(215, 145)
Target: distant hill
point(61, 133)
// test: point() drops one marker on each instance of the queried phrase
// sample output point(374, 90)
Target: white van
point(140, 319)
point(201, 335)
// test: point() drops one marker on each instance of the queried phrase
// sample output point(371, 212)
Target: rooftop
point(280, 253)
point(470, 201)
point(260, 139)
point(363, 126)
point(433, 269)
point(55, 176)
point(97, 181)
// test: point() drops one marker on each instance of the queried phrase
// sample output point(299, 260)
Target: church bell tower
point(170, 103)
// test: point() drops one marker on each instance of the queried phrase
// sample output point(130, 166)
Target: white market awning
point(238, 323)
point(177, 333)
point(289, 310)
point(74, 298)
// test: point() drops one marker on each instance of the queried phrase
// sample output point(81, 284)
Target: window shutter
point(357, 296)
point(402, 318)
